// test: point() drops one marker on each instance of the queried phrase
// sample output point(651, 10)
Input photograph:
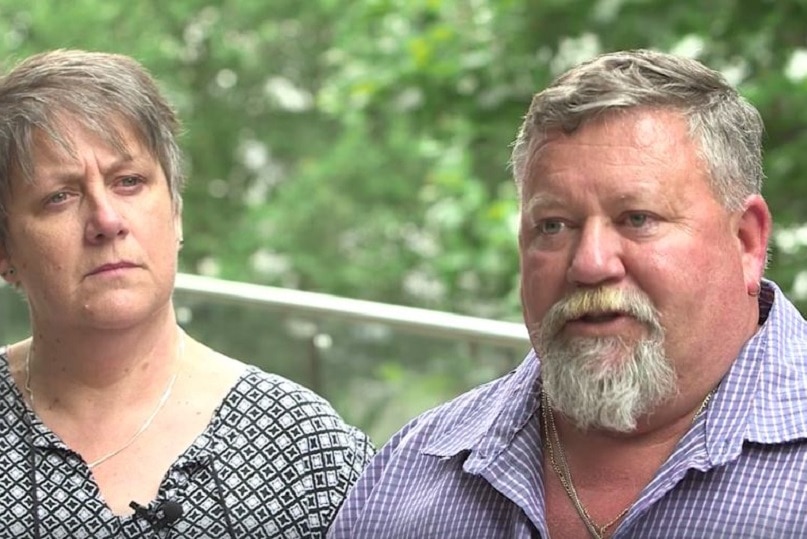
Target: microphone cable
point(220, 492)
point(32, 482)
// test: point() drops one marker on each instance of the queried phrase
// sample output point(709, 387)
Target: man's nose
point(597, 255)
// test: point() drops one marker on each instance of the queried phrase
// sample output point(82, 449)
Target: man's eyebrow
point(540, 201)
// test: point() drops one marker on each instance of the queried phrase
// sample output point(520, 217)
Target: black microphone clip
point(164, 514)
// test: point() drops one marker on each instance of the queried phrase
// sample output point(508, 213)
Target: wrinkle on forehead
point(646, 132)
point(49, 153)
point(623, 157)
point(57, 141)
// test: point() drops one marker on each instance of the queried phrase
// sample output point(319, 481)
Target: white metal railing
point(410, 319)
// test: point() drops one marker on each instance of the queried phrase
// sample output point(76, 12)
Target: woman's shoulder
point(279, 393)
point(268, 401)
point(293, 415)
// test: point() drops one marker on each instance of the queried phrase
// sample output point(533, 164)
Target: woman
point(113, 421)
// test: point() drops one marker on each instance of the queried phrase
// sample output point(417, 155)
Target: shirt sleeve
point(351, 456)
point(358, 453)
point(353, 507)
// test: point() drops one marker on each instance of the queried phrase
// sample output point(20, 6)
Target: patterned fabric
point(275, 461)
point(473, 468)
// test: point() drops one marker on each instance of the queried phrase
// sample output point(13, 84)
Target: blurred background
point(359, 148)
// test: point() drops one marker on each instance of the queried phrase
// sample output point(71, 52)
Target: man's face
point(94, 238)
point(623, 236)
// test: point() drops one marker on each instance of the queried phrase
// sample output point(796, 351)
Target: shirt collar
point(486, 419)
point(763, 398)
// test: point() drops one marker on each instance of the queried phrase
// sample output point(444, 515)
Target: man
point(667, 392)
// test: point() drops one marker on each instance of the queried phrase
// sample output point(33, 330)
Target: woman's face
point(93, 240)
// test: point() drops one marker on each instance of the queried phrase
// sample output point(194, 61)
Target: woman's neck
point(85, 372)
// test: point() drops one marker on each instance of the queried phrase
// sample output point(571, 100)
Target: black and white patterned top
point(275, 461)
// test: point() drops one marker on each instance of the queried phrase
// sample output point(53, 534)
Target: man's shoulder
point(783, 332)
point(765, 391)
point(460, 421)
point(429, 453)
point(778, 312)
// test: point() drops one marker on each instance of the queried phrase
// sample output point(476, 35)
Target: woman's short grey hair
point(726, 127)
point(54, 92)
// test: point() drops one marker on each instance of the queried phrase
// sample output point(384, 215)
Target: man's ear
point(753, 230)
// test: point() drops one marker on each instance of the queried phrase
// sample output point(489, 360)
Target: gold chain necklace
point(146, 424)
point(565, 475)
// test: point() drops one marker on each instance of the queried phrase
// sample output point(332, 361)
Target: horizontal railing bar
point(424, 321)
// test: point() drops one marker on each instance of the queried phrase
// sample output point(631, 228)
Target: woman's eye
point(56, 198)
point(131, 181)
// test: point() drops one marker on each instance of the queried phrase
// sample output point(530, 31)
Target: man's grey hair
point(726, 127)
point(55, 92)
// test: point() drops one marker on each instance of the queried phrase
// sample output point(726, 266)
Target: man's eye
point(550, 227)
point(637, 220)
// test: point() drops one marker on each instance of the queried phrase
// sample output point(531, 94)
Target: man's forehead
point(651, 131)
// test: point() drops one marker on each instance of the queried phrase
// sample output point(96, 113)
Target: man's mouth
point(598, 318)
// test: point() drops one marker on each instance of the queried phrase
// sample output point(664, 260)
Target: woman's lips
point(115, 267)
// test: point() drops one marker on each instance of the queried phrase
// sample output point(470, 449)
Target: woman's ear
point(7, 271)
point(178, 229)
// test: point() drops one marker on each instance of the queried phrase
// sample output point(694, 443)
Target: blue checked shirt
point(472, 468)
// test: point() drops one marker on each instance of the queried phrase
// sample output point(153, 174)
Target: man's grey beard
point(605, 382)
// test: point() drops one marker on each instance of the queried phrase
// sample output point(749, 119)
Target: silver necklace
point(146, 424)
point(565, 475)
